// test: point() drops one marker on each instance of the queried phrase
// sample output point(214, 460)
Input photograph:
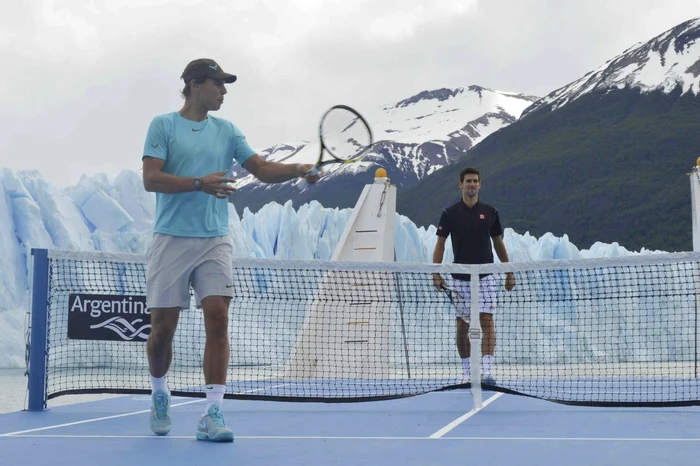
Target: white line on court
point(463, 418)
point(311, 437)
point(85, 421)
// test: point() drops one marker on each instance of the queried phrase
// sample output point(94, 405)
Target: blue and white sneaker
point(212, 427)
point(488, 380)
point(160, 413)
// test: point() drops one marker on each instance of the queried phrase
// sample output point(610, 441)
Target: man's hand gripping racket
point(456, 299)
point(344, 135)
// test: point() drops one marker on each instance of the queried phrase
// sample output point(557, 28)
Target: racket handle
point(303, 183)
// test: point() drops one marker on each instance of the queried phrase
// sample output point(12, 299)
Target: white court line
point(85, 421)
point(464, 417)
point(312, 437)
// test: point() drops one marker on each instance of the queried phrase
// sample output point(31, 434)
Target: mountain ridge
point(413, 137)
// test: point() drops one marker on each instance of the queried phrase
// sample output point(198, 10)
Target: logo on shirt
point(481, 216)
point(196, 129)
point(155, 145)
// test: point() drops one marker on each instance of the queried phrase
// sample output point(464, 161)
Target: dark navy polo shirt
point(471, 231)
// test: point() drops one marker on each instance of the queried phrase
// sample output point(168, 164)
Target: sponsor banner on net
point(108, 317)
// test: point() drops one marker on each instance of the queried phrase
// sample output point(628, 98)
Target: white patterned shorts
point(487, 296)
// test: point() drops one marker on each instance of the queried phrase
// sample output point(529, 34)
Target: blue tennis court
point(431, 429)
point(587, 337)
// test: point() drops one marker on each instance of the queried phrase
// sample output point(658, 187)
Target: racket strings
point(344, 134)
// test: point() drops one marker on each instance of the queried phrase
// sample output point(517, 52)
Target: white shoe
point(212, 427)
point(160, 413)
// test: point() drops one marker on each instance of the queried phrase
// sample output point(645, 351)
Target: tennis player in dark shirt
point(472, 225)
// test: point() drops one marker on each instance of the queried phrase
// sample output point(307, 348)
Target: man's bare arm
point(500, 248)
point(502, 254)
point(155, 180)
point(438, 254)
point(275, 172)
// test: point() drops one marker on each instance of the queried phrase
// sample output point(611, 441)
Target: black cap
point(205, 68)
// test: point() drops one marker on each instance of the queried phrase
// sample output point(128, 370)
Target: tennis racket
point(456, 299)
point(344, 135)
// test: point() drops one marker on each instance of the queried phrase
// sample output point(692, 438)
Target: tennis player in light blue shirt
point(186, 159)
point(190, 149)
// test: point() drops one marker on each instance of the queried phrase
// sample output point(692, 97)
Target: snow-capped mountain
point(413, 138)
point(590, 156)
point(665, 62)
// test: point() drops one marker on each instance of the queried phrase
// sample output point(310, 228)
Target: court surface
point(432, 429)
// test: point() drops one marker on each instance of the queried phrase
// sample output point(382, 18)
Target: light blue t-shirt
point(194, 149)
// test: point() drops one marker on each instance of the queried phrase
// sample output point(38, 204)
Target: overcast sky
point(82, 79)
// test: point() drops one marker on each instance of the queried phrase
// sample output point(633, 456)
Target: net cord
point(406, 267)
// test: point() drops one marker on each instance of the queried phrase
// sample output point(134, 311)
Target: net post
point(695, 206)
point(695, 211)
point(38, 333)
point(696, 306)
point(475, 340)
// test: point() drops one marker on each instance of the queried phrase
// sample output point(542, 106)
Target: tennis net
point(614, 332)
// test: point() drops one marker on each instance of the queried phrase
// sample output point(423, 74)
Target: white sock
point(466, 364)
point(488, 363)
point(215, 394)
point(159, 383)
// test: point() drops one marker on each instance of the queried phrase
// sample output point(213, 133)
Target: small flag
point(481, 216)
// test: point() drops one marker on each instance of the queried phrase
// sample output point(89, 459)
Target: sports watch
point(197, 184)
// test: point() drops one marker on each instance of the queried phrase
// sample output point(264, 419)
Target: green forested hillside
point(607, 167)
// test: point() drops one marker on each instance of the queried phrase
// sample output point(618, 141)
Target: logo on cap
point(213, 67)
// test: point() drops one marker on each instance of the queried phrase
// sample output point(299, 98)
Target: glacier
point(115, 215)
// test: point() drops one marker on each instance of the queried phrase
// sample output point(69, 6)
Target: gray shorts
point(488, 290)
point(175, 263)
